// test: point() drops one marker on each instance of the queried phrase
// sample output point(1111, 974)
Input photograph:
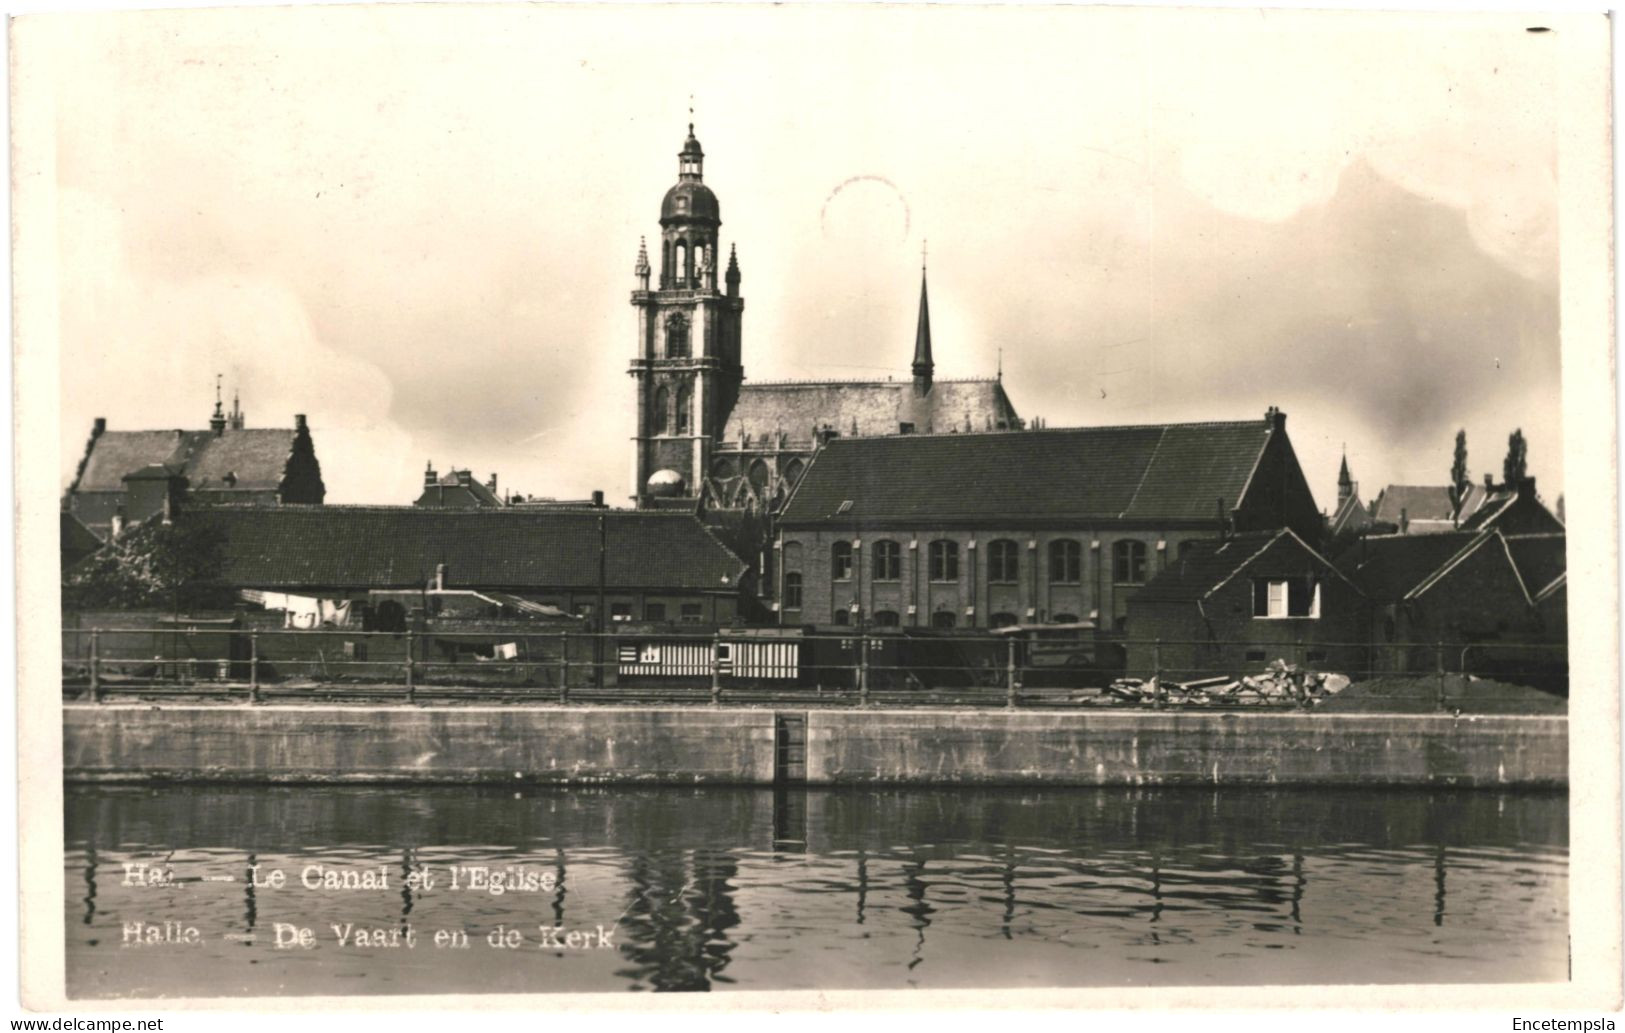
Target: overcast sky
point(418, 224)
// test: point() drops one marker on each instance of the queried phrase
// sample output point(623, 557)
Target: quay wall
point(692, 745)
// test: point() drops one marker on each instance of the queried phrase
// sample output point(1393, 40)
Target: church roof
point(1155, 472)
point(865, 408)
point(255, 459)
point(401, 546)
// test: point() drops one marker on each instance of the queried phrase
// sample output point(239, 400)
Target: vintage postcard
point(1121, 554)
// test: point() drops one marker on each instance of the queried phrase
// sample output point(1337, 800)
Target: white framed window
point(1281, 598)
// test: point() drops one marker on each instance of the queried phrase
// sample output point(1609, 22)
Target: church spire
point(217, 422)
point(1345, 483)
point(923, 365)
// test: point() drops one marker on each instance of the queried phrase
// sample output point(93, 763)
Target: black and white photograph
point(815, 500)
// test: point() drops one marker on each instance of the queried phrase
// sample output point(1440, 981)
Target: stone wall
point(518, 746)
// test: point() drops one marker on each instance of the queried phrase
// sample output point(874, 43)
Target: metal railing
point(243, 664)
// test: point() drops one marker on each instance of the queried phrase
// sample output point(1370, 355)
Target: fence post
point(1156, 673)
point(1010, 671)
point(564, 667)
point(716, 669)
point(1438, 662)
point(863, 668)
point(411, 661)
point(95, 665)
point(253, 667)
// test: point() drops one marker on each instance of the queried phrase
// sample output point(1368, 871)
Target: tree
point(1458, 469)
point(1516, 466)
point(173, 565)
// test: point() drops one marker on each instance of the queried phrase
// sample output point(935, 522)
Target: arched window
point(680, 264)
point(685, 406)
point(840, 561)
point(887, 619)
point(841, 618)
point(688, 268)
point(1066, 562)
point(665, 263)
point(792, 472)
point(677, 336)
point(1003, 562)
point(722, 469)
point(1128, 562)
point(944, 561)
point(792, 591)
point(1004, 620)
point(662, 413)
point(759, 473)
point(888, 561)
point(943, 619)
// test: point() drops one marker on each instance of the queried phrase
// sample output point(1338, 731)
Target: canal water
point(197, 891)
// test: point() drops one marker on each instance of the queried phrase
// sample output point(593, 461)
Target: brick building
point(655, 566)
point(1230, 605)
point(985, 530)
point(127, 476)
point(1462, 589)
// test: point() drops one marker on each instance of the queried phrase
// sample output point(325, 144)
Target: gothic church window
point(685, 406)
point(792, 472)
point(677, 337)
point(662, 412)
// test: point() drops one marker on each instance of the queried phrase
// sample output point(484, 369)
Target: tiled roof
point(1351, 515)
point(873, 407)
point(1540, 559)
point(401, 546)
point(1205, 564)
point(1159, 472)
point(1386, 567)
point(1425, 502)
point(257, 458)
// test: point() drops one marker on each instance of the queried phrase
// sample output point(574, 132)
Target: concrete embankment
point(748, 746)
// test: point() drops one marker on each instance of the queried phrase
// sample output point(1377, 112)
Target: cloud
point(134, 340)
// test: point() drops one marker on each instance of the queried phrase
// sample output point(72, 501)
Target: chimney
point(299, 422)
point(598, 500)
point(492, 484)
point(464, 477)
point(98, 428)
point(1489, 482)
point(429, 476)
point(1526, 487)
point(439, 577)
point(1404, 522)
point(1275, 418)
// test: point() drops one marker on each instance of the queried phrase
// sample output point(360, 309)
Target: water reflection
point(671, 889)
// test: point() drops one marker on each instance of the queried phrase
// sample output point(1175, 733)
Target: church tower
point(687, 364)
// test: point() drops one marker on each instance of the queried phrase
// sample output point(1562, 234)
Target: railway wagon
point(810, 657)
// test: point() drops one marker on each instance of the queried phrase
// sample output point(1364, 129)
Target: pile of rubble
point(1280, 683)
